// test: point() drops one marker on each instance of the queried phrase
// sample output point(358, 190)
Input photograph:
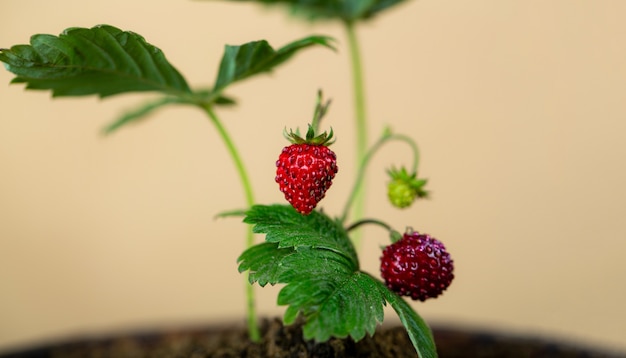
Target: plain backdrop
point(518, 108)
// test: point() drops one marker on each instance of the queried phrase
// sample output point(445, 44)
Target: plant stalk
point(361, 222)
point(360, 178)
point(356, 188)
point(360, 117)
point(253, 327)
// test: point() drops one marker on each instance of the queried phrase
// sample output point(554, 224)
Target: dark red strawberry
point(417, 266)
point(305, 170)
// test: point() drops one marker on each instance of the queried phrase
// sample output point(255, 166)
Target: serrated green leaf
point(346, 10)
point(102, 60)
point(243, 61)
point(419, 332)
point(263, 261)
point(310, 262)
point(321, 282)
point(284, 225)
point(314, 258)
point(311, 276)
point(354, 308)
point(268, 263)
point(291, 314)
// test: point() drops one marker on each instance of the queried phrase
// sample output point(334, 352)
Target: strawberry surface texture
point(304, 172)
point(417, 266)
point(400, 194)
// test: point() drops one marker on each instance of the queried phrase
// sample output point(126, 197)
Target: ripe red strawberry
point(417, 266)
point(305, 170)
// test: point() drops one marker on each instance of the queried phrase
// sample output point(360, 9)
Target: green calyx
point(312, 137)
point(404, 188)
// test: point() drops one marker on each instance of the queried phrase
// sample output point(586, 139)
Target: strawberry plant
point(313, 256)
point(310, 252)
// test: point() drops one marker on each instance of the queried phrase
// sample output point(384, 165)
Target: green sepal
point(324, 138)
point(395, 236)
point(312, 137)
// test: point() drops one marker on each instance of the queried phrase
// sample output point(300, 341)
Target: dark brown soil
point(279, 341)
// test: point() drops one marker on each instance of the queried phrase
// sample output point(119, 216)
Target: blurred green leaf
point(240, 62)
point(102, 60)
point(137, 114)
point(143, 111)
point(105, 61)
point(346, 10)
point(419, 332)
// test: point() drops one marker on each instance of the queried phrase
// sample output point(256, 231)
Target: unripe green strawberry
point(305, 170)
point(400, 194)
point(404, 188)
point(417, 266)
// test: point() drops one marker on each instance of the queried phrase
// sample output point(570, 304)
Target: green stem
point(232, 150)
point(360, 178)
point(361, 120)
point(369, 221)
point(320, 111)
point(386, 137)
point(253, 327)
point(413, 145)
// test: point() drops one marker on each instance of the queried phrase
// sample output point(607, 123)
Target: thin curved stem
point(413, 145)
point(356, 188)
point(360, 115)
point(320, 111)
point(232, 150)
point(368, 221)
point(386, 137)
point(253, 327)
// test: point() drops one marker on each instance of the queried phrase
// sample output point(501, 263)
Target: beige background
point(518, 107)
